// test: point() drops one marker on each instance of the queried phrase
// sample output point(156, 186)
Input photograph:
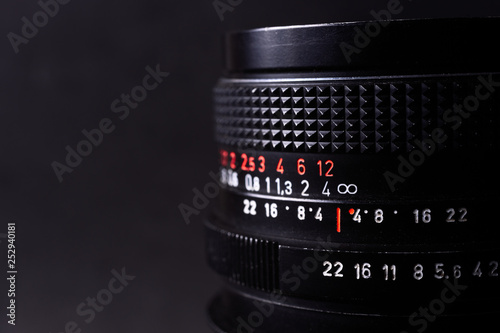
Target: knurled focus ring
point(358, 116)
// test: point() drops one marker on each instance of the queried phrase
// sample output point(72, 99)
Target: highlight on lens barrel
point(359, 174)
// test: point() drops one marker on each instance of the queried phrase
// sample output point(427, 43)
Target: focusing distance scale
point(359, 191)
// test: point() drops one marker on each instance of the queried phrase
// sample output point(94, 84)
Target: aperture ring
point(326, 273)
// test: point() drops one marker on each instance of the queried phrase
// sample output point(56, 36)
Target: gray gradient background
point(119, 207)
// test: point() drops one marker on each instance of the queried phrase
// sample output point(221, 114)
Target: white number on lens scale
point(306, 187)
point(477, 271)
point(492, 269)
point(326, 191)
point(249, 207)
point(301, 213)
point(457, 271)
point(418, 272)
point(286, 189)
point(462, 212)
point(338, 268)
point(425, 217)
point(318, 216)
point(389, 272)
point(363, 271)
point(357, 216)
point(271, 210)
point(252, 183)
point(229, 177)
point(439, 271)
point(379, 216)
point(347, 189)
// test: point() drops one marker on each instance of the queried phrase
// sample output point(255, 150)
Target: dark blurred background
point(118, 209)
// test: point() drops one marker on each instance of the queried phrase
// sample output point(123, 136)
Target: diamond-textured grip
point(383, 115)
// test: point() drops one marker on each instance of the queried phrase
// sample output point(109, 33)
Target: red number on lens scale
point(328, 172)
point(248, 163)
point(301, 168)
point(232, 162)
point(244, 163)
point(223, 157)
point(262, 164)
point(280, 168)
point(251, 164)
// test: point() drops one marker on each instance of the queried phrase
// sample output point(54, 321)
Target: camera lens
point(359, 178)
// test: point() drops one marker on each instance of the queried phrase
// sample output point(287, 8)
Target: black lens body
point(359, 178)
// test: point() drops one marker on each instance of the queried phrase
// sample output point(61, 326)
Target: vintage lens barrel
point(359, 178)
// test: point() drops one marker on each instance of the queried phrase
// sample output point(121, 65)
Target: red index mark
point(338, 219)
point(351, 211)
